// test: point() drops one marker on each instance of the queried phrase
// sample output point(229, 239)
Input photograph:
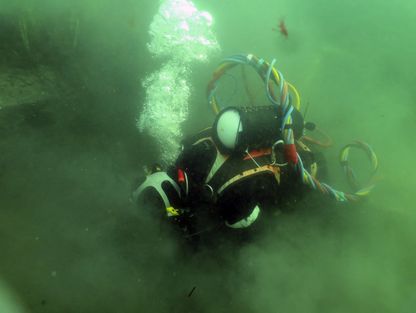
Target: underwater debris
point(74, 25)
point(24, 33)
point(282, 28)
point(191, 292)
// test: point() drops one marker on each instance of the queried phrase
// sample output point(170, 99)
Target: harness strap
point(275, 170)
point(219, 159)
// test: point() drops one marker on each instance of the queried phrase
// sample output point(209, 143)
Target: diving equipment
point(252, 157)
point(285, 99)
point(240, 129)
point(164, 186)
point(247, 221)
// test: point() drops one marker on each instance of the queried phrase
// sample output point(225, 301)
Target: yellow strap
point(297, 96)
point(262, 169)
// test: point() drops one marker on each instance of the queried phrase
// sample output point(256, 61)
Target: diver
point(228, 174)
point(247, 165)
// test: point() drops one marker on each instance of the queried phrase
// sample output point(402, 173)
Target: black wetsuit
point(208, 202)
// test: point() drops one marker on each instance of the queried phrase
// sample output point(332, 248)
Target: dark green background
point(71, 242)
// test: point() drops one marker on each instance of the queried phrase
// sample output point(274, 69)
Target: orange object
point(325, 143)
point(282, 28)
point(290, 153)
point(258, 153)
point(181, 176)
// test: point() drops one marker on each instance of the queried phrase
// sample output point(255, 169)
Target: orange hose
point(324, 144)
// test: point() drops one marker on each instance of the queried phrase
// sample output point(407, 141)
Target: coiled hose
point(288, 100)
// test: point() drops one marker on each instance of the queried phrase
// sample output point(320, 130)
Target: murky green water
point(71, 242)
